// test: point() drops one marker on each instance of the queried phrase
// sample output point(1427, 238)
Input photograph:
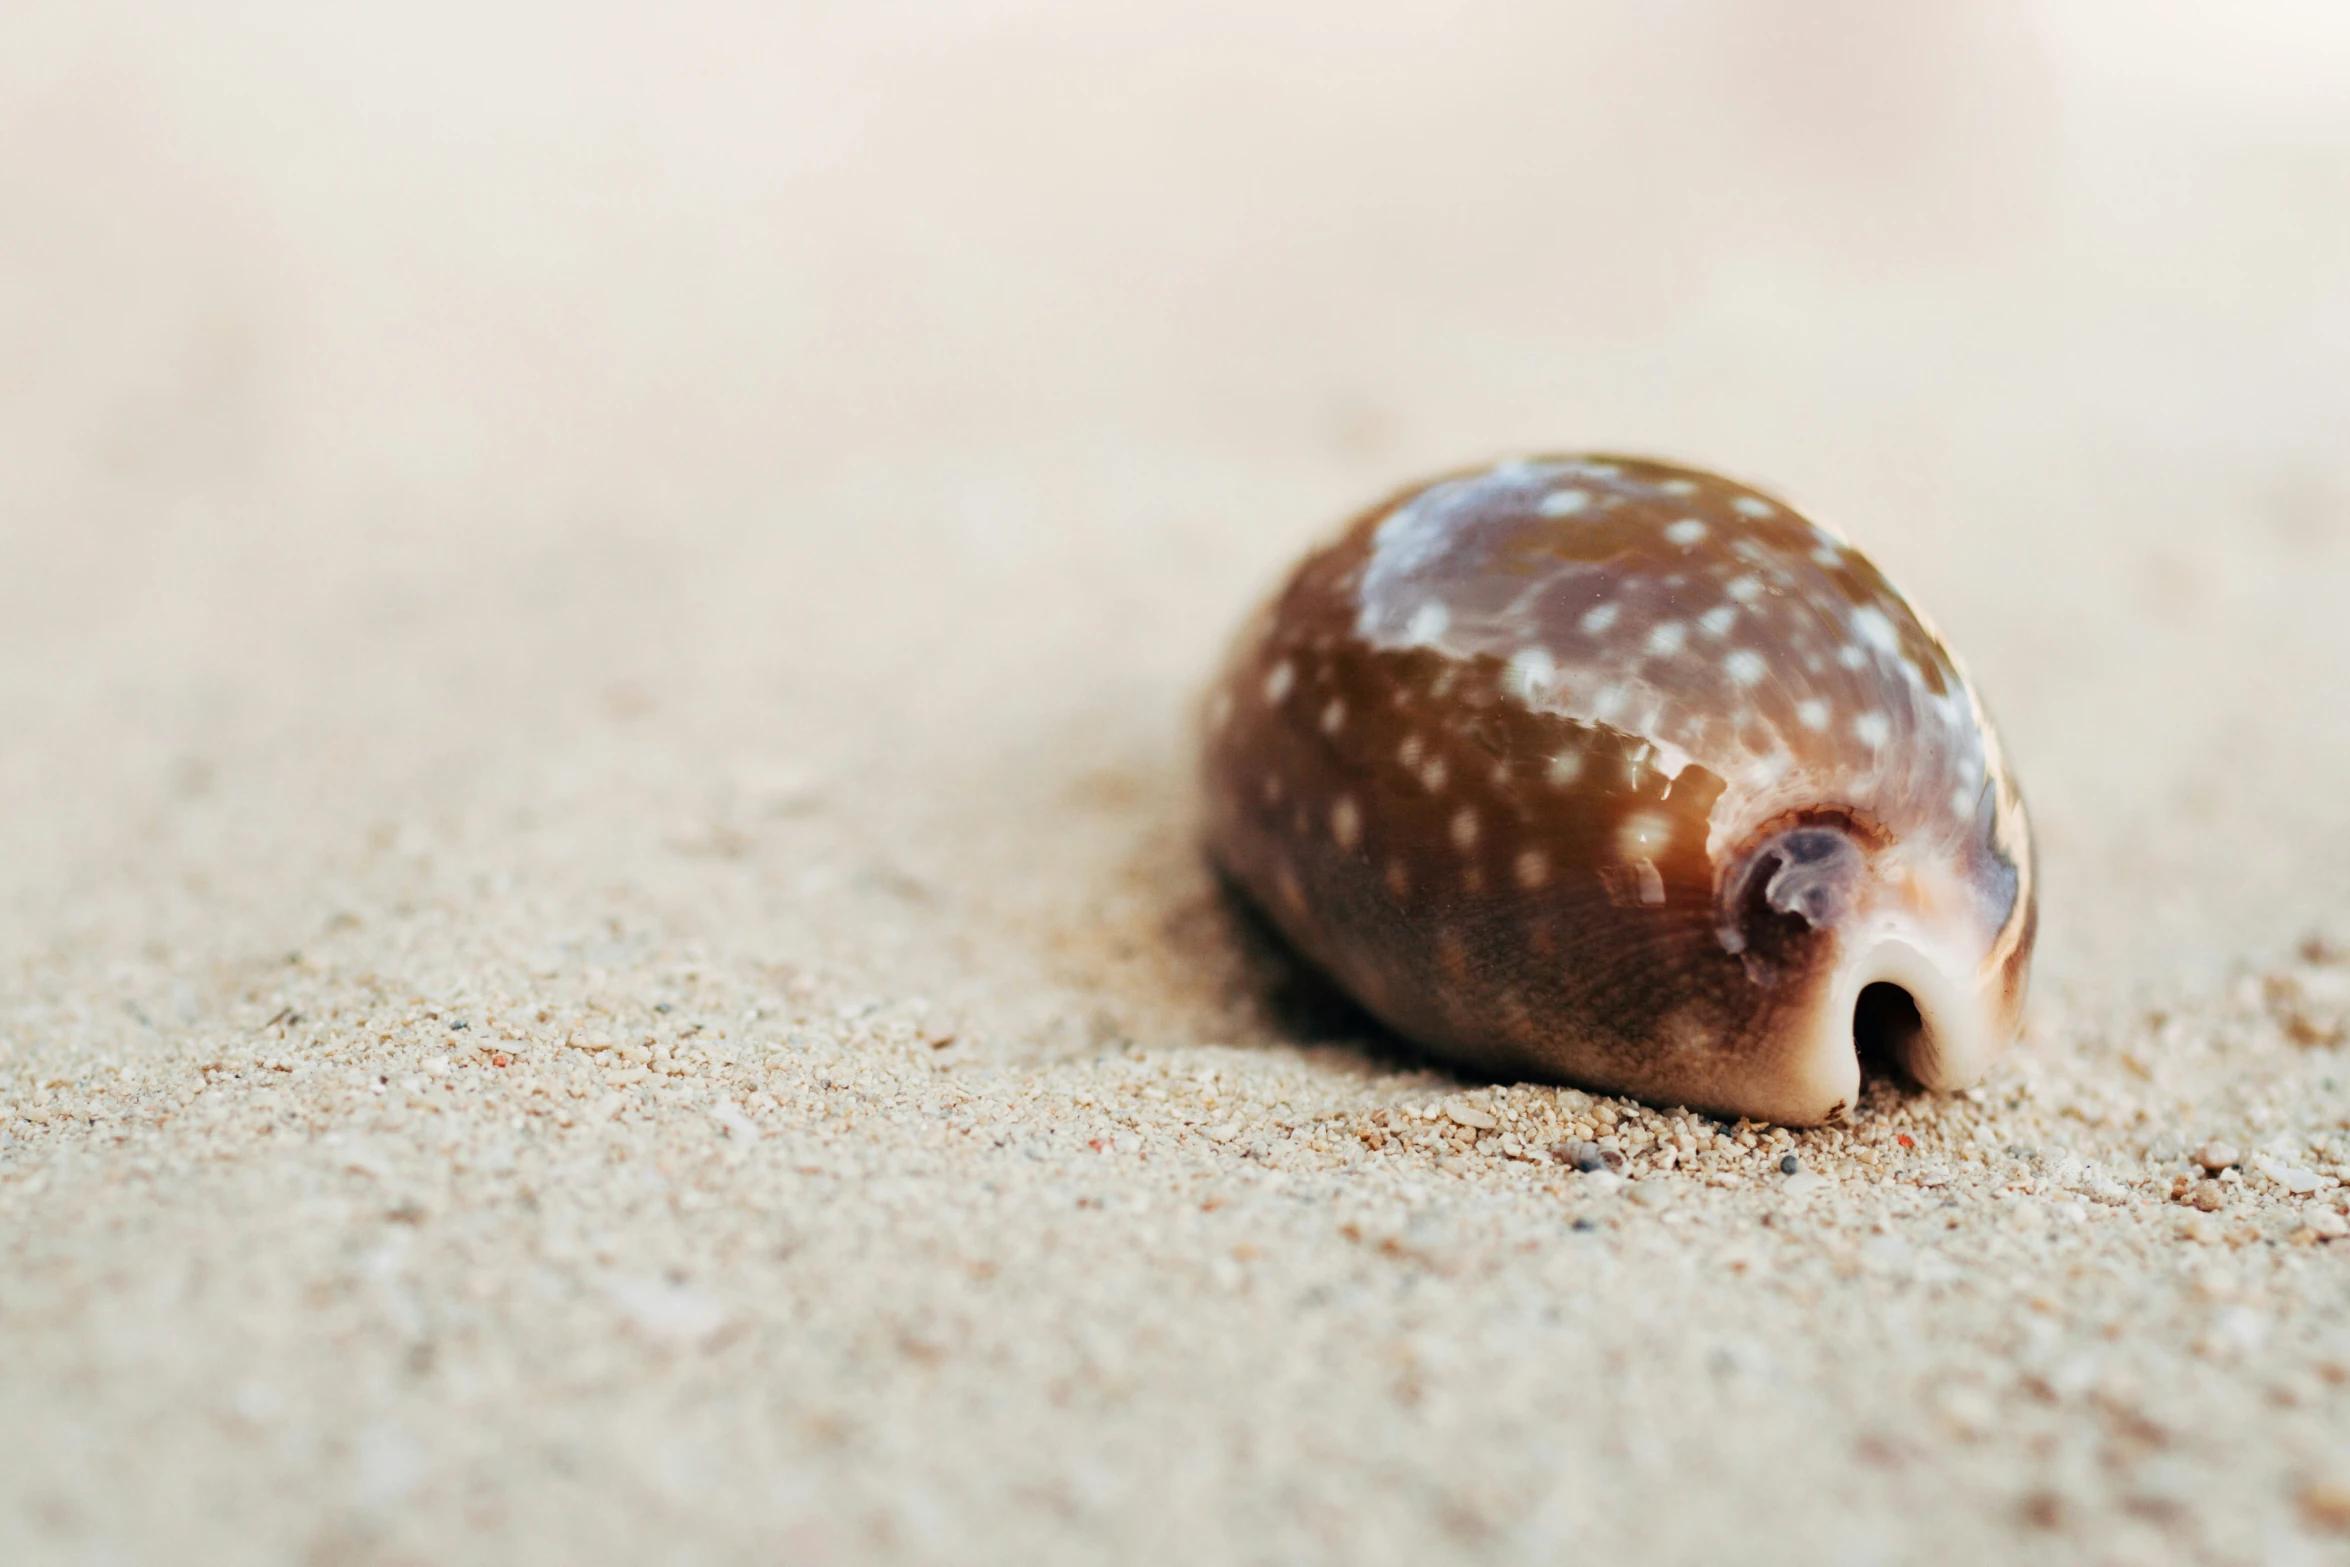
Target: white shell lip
point(1919, 918)
point(1958, 1001)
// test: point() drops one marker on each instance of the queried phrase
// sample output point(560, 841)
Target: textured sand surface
point(602, 956)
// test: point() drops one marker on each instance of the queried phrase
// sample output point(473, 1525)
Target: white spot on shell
point(1644, 833)
point(1596, 621)
point(1346, 822)
point(1716, 622)
point(1871, 626)
point(1610, 704)
point(1753, 506)
point(1564, 503)
point(1962, 802)
point(1532, 868)
point(1410, 751)
point(1744, 590)
point(1530, 674)
point(1852, 656)
point(1668, 638)
point(1333, 717)
point(1679, 486)
point(1464, 829)
point(1433, 775)
point(1686, 532)
point(1872, 729)
point(1812, 713)
point(1430, 621)
point(1272, 788)
point(1565, 767)
point(1745, 666)
point(1277, 683)
point(1829, 556)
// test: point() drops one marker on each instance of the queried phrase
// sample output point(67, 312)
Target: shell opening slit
point(1614, 772)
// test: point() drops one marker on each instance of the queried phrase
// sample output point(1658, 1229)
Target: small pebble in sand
point(1587, 1157)
point(2217, 1156)
point(2326, 1506)
point(1789, 1164)
point(2044, 1509)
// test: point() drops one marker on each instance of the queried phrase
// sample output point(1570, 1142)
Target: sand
point(602, 949)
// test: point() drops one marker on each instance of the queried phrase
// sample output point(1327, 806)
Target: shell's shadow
point(1297, 1004)
point(1180, 952)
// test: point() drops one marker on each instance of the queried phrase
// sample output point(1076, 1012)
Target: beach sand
point(603, 952)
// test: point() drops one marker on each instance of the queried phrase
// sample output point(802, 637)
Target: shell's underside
point(1624, 774)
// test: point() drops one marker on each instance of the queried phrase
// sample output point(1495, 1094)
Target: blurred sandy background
point(534, 510)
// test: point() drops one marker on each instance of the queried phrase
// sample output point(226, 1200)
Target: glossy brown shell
point(1615, 772)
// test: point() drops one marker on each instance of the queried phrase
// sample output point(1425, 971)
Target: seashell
point(1614, 772)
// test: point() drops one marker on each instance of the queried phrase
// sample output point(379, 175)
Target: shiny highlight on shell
point(1609, 771)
